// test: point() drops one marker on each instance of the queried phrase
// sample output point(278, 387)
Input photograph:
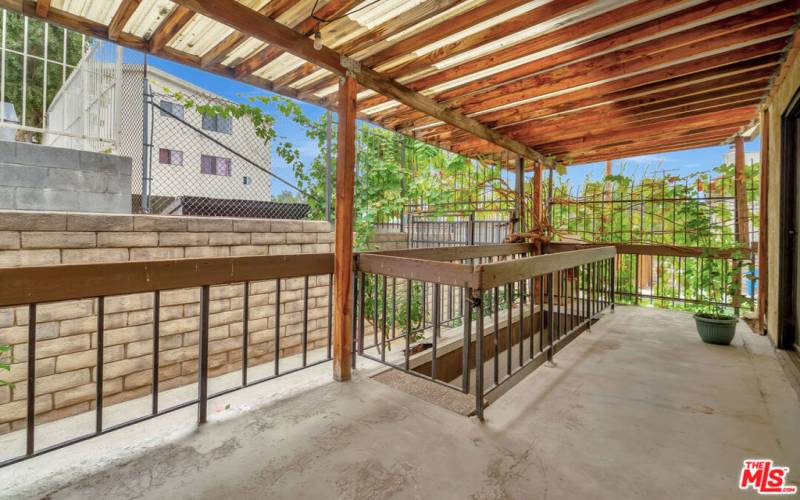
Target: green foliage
point(5, 362)
point(692, 211)
point(57, 53)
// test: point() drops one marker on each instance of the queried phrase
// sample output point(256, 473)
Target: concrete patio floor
point(636, 408)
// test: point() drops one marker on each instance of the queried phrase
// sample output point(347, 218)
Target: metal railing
point(34, 286)
point(517, 311)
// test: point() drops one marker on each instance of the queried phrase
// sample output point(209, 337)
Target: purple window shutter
point(224, 166)
point(163, 156)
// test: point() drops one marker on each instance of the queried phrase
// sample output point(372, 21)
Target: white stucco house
point(201, 165)
point(192, 155)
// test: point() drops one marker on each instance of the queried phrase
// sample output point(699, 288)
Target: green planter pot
point(716, 331)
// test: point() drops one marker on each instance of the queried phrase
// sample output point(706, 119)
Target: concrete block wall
point(389, 240)
point(35, 177)
point(67, 332)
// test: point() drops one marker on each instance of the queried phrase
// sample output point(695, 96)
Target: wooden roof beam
point(740, 59)
point(372, 37)
point(567, 34)
point(612, 116)
point(681, 145)
point(121, 17)
point(257, 25)
point(273, 9)
point(306, 27)
point(169, 27)
point(733, 113)
point(516, 79)
point(42, 8)
point(765, 24)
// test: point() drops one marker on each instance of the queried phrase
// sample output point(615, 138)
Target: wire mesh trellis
point(698, 211)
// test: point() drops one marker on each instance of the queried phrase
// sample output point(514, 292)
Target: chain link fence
point(186, 162)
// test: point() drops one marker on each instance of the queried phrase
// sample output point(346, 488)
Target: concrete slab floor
point(636, 408)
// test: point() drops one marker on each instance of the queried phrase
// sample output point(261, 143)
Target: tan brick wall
point(67, 332)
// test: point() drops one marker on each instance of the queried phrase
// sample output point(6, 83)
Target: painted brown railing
point(32, 286)
point(553, 297)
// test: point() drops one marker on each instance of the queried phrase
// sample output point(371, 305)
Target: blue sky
point(676, 163)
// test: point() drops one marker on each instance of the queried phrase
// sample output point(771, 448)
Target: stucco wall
point(776, 106)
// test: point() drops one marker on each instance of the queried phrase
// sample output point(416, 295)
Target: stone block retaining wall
point(66, 332)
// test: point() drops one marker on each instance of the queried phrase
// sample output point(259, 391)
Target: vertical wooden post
point(537, 195)
point(740, 210)
point(740, 192)
point(763, 207)
point(520, 193)
point(343, 246)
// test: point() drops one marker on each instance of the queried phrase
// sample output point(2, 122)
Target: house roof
point(174, 80)
point(578, 80)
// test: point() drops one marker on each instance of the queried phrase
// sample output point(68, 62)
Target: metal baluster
point(408, 324)
point(509, 322)
point(383, 318)
point(277, 326)
point(245, 330)
point(550, 316)
point(495, 305)
point(436, 325)
point(375, 310)
point(30, 425)
point(479, 361)
point(156, 348)
point(467, 315)
point(202, 398)
point(542, 287)
point(521, 322)
point(354, 325)
point(305, 321)
point(613, 283)
point(330, 314)
point(362, 312)
point(531, 324)
point(100, 362)
point(394, 308)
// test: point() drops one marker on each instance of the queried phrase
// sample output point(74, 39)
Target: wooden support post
point(763, 275)
point(537, 201)
point(520, 194)
point(343, 246)
point(740, 210)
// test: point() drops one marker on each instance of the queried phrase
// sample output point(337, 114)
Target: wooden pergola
point(563, 80)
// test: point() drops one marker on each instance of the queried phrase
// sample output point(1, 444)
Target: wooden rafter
point(121, 18)
point(637, 110)
point(739, 59)
point(170, 27)
point(565, 35)
point(42, 8)
point(272, 9)
point(761, 23)
point(371, 37)
point(572, 79)
point(306, 27)
point(257, 25)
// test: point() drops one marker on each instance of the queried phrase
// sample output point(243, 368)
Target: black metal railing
point(34, 286)
point(515, 311)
